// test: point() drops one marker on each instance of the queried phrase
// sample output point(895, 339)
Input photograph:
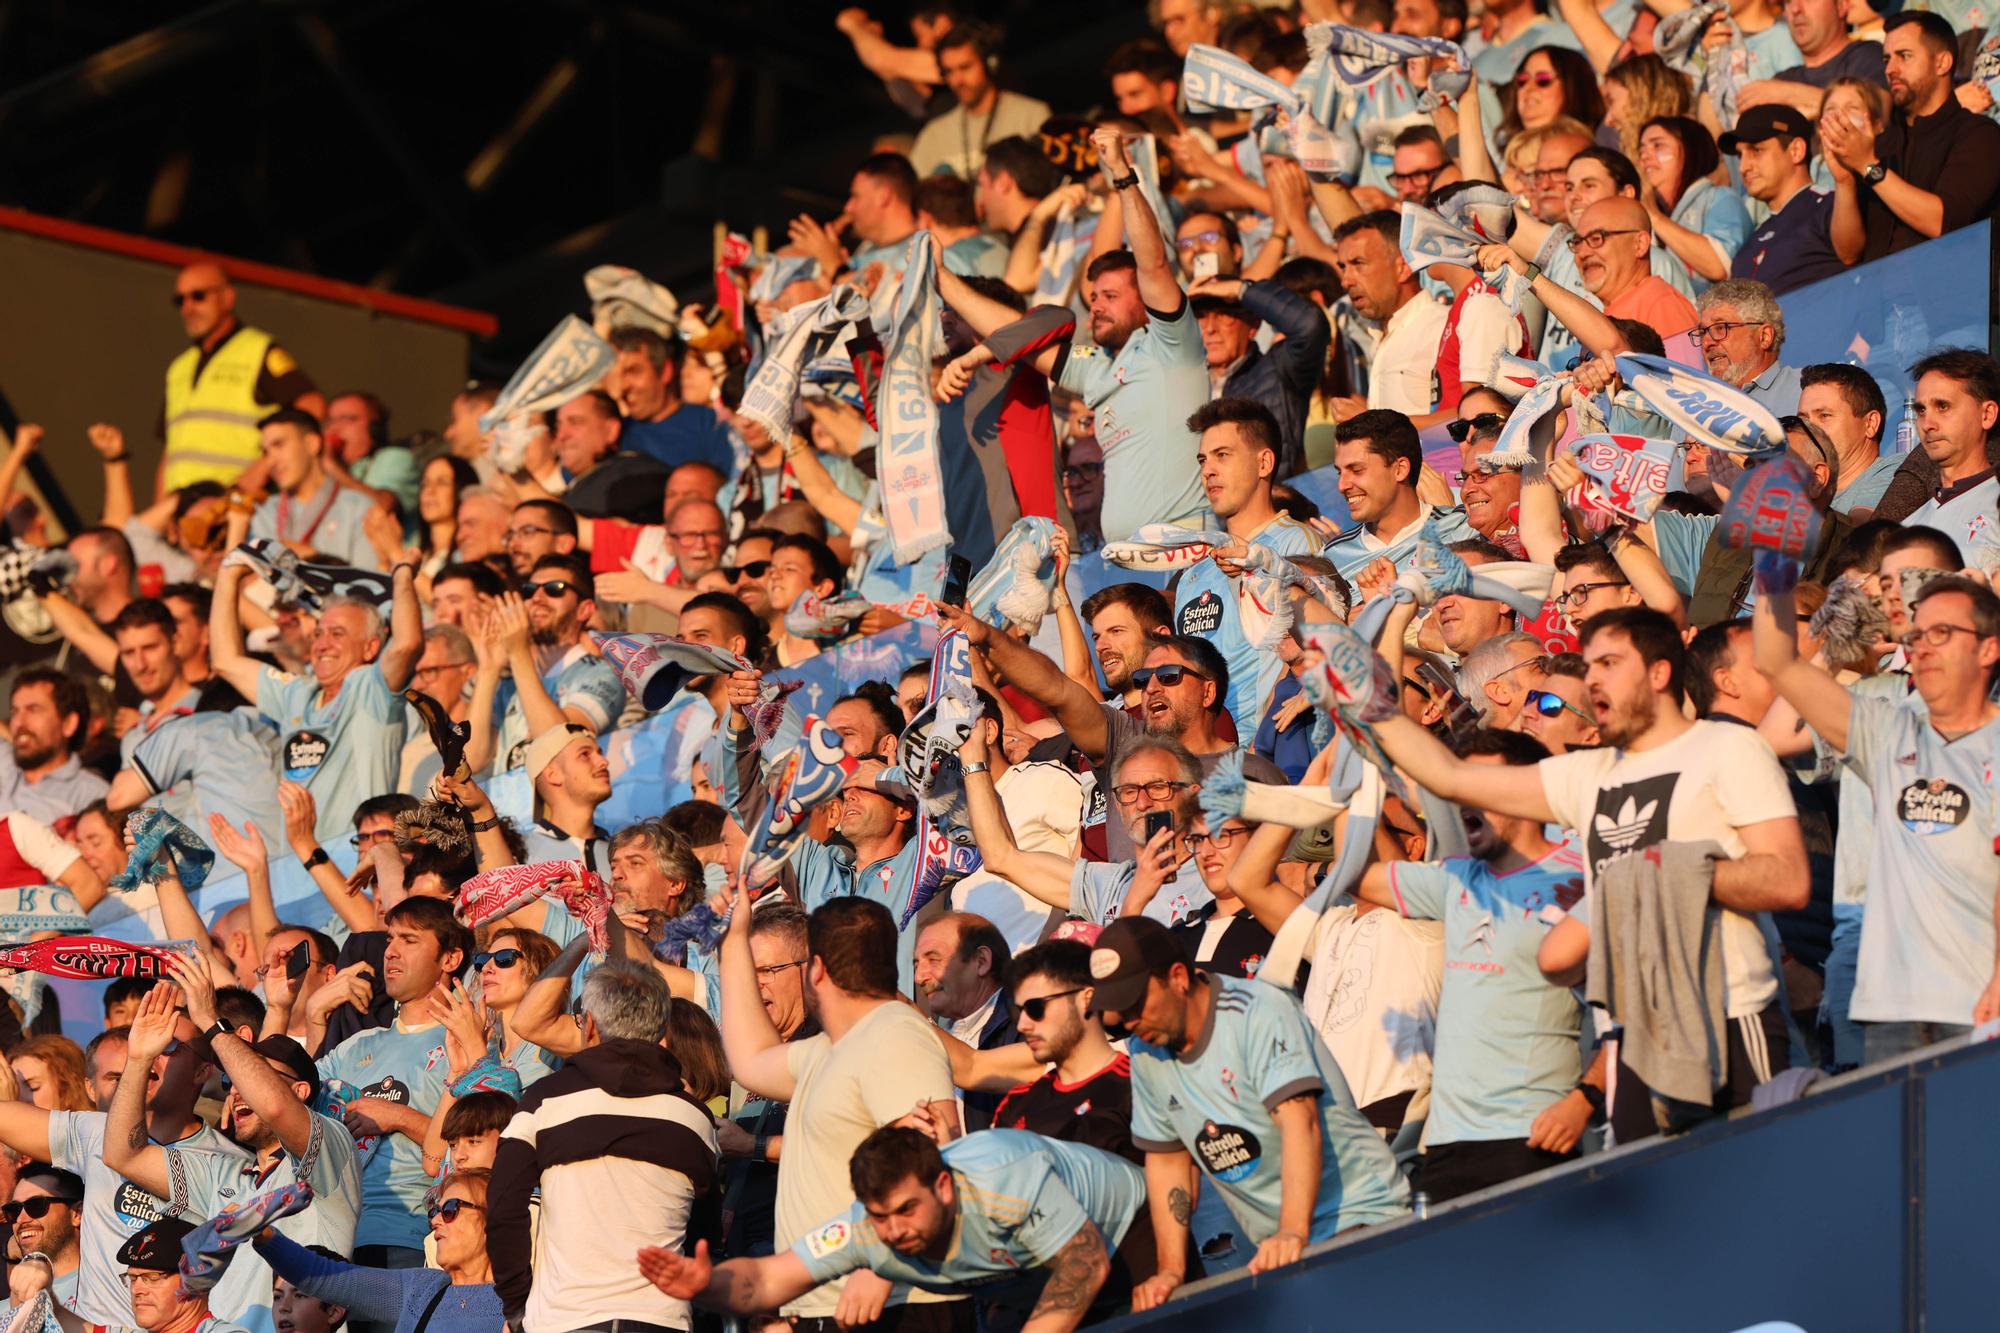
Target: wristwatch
point(980, 767)
point(1875, 173)
point(1125, 182)
point(217, 1029)
point(318, 858)
point(1595, 1096)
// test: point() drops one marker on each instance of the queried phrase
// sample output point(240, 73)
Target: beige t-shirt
point(844, 1091)
point(1701, 787)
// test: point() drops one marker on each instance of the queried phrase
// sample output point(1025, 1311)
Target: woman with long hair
point(458, 1299)
point(506, 967)
point(1704, 223)
point(49, 1072)
point(438, 489)
point(1639, 89)
point(1550, 83)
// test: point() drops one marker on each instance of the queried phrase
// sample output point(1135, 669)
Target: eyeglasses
point(528, 530)
point(451, 1208)
point(1464, 426)
point(1937, 636)
point(1540, 78)
point(1168, 676)
point(441, 666)
point(37, 1207)
point(133, 1277)
point(1035, 1008)
point(502, 958)
point(1083, 471)
point(1412, 177)
point(1547, 175)
point(1577, 596)
point(700, 535)
point(554, 588)
point(756, 569)
point(773, 969)
point(1550, 704)
point(1221, 837)
point(1209, 237)
point(180, 299)
point(1539, 661)
point(1125, 793)
point(370, 839)
point(1595, 239)
point(1719, 330)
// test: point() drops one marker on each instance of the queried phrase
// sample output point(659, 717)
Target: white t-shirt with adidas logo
point(1701, 787)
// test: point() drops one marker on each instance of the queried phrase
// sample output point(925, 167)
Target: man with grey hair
point(1741, 330)
point(444, 672)
point(620, 1152)
point(481, 531)
point(1499, 673)
point(340, 728)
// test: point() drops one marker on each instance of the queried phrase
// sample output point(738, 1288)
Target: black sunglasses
point(450, 1209)
point(756, 569)
point(1038, 1006)
point(1169, 675)
point(37, 1207)
point(497, 957)
point(554, 588)
point(1464, 426)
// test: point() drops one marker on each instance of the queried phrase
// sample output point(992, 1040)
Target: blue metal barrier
point(1867, 1206)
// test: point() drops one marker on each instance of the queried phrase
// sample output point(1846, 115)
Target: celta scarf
point(1438, 571)
point(928, 753)
point(623, 297)
point(1062, 254)
point(656, 667)
point(800, 335)
point(1627, 475)
point(1146, 166)
point(1531, 427)
point(827, 618)
point(570, 360)
point(906, 459)
point(1721, 73)
point(701, 926)
point(780, 272)
point(205, 1251)
point(162, 846)
point(490, 1073)
point(812, 772)
point(94, 958)
point(1717, 414)
point(1018, 584)
point(1773, 511)
point(1357, 57)
point(1164, 546)
point(492, 894)
point(1214, 80)
point(1430, 238)
point(309, 585)
point(34, 1316)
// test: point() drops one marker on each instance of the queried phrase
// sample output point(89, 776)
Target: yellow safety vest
point(212, 421)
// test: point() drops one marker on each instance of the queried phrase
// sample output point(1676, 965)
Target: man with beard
point(538, 528)
point(340, 729)
point(40, 773)
point(1402, 368)
point(44, 1215)
point(1742, 329)
point(1508, 1092)
point(558, 675)
point(1937, 165)
point(271, 1083)
point(1658, 777)
point(646, 380)
point(1124, 619)
point(874, 854)
point(1144, 370)
point(114, 1209)
point(873, 1060)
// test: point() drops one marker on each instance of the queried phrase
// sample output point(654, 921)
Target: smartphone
point(298, 959)
point(1158, 822)
point(958, 573)
point(1206, 266)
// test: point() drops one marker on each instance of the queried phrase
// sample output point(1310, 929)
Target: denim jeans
point(1887, 1041)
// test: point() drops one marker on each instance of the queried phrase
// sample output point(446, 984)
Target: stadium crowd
point(1160, 875)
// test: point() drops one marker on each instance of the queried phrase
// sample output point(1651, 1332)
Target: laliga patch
point(828, 1240)
point(1931, 806)
point(304, 752)
point(1227, 1152)
point(1103, 962)
point(1202, 616)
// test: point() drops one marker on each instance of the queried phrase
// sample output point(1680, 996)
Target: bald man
point(1613, 244)
point(221, 387)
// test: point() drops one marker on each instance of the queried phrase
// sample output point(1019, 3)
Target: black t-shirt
point(1230, 946)
point(1096, 1112)
point(363, 946)
point(1858, 60)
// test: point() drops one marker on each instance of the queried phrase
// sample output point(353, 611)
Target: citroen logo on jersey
point(1624, 829)
point(1482, 935)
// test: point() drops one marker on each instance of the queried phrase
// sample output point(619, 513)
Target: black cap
point(1769, 121)
point(1129, 952)
point(157, 1249)
point(292, 1056)
point(1212, 305)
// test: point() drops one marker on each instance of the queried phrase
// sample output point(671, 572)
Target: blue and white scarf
point(1214, 80)
point(906, 459)
point(1708, 410)
point(1017, 585)
point(800, 335)
point(1357, 57)
point(162, 845)
point(780, 272)
point(306, 584)
point(1430, 238)
point(570, 360)
point(928, 753)
point(811, 773)
point(1146, 165)
point(1062, 255)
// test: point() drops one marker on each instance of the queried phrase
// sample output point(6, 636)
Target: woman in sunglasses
point(460, 1299)
point(1552, 82)
point(506, 967)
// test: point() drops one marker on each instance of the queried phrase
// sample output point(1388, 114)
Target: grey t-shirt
point(1122, 730)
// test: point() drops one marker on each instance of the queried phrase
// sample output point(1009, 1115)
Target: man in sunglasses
point(44, 1215)
point(1926, 969)
point(340, 728)
point(558, 675)
point(1228, 1077)
point(271, 1084)
point(1557, 712)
